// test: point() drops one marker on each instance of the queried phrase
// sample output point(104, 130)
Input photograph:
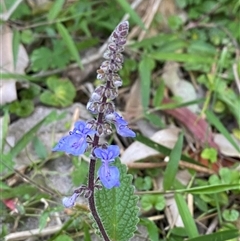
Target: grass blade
point(127, 8)
point(172, 166)
point(22, 143)
point(55, 9)
point(212, 118)
point(69, 43)
point(15, 46)
point(186, 216)
point(145, 67)
point(4, 129)
point(162, 149)
point(219, 236)
point(186, 58)
point(212, 189)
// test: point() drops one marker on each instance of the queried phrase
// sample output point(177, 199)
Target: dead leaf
point(178, 86)
point(198, 127)
point(225, 147)
point(138, 151)
point(7, 87)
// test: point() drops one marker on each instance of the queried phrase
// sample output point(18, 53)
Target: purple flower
point(121, 125)
point(75, 143)
point(109, 175)
point(80, 127)
point(69, 202)
point(125, 131)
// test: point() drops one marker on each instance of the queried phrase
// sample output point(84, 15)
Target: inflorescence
point(85, 135)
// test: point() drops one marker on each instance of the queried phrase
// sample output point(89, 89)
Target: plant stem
point(91, 180)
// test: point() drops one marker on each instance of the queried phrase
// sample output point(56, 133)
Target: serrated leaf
point(172, 166)
point(69, 43)
point(41, 59)
point(117, 207)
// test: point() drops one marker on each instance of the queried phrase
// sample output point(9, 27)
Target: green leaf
point(6, 162)
point(4, 130)
point(211, 189)
point(61, 93)
point(19, 191)
point(27, 36)
point(127, 8)
point(41, 59)
point(145, 68)
point(158, 97)
point(63, 237)
point(15, 46)
point(149, 201)
point(209, 154)
point(186, 216)
point(39, 147)
point(172, 166)
point(22, 108)
point(55, 9)
point(117, 207)
point(212, 118)
point(43, 220)
point(27, 137)
point(230, 215)
point(152, 228)
point(218, 236)
point(69, 43)
point(186, 58)
point(80, 172)
point(154, 119)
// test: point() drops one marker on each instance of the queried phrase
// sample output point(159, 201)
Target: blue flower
point(125, 131)
point(109, 175)
point(69, 202)
point(75, 143)
point(121, 125)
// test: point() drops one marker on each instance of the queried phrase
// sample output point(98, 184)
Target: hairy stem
point(91, 179)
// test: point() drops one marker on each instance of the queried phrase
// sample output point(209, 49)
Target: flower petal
point(113, 151)
point(109, 176)
point(76, 144)
point(125, 131)
point(69, 202)
point(61, 144)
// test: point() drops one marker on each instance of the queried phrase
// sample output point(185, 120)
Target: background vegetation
point(181, 74)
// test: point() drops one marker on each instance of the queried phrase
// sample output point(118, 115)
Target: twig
point(34, 232)
point(144, 165)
